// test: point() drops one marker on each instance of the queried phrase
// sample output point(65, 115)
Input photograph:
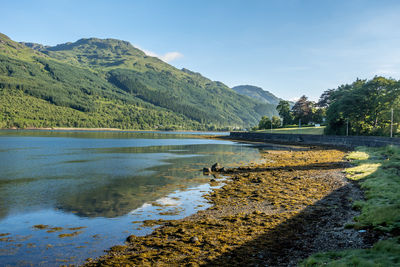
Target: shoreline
point(266, 213)
point(101, 129)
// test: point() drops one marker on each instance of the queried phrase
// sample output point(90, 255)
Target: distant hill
point(257, 93)
point(109, 83)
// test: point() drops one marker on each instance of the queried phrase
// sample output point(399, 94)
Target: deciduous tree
point(283, 109)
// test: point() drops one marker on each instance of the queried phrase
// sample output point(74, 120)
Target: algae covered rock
point(216, 167)
point(206, 170)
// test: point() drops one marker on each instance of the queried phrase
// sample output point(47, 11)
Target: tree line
point(364, 107)
point(303, 112)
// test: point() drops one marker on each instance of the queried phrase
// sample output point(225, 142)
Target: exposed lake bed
point(276, 213)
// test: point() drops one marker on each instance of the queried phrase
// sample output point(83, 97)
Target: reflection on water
point(95, 180)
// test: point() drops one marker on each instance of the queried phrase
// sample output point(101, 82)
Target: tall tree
point(302, 110)
point(265, 123)
point(276, 122)
point(283, 109)
point(325, 98)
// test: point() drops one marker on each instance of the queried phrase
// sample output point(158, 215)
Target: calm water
point(92, 189)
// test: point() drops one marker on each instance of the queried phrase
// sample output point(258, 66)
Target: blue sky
point(289, 47)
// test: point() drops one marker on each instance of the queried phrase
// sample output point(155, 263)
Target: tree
point(302, 110)
point(276, 122)
point(265, 123)
point(283, 109)
point(318, 115)
point(364, 105)
point(325, 99)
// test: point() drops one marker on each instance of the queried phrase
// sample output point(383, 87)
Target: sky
point(288, 47)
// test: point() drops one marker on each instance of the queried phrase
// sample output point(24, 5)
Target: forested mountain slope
point(257, 93)
point(110, 83)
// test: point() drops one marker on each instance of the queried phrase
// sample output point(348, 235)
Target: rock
point(181, 231)
point(206, 170)
point(194, 239)
point(223, 169)
point(216, 167)
point(131, 238)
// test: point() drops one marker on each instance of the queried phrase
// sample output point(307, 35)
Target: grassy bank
point(378, 171)
point(305, 130)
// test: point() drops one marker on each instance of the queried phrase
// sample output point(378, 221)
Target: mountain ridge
point(86, 74)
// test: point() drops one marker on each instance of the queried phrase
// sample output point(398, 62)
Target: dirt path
point(274, 214)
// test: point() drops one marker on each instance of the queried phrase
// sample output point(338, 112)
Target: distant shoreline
point(210, 134)
point(101, 129)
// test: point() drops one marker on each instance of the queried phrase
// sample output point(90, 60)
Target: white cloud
point(167, 57)
point(386, 72)
point(170, 56)
point(149, 53)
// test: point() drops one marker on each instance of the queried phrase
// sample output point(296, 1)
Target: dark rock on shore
point(216, 167)
point(206, 170)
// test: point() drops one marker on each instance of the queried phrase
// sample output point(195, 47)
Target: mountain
point(109, 83)
point(257, 93)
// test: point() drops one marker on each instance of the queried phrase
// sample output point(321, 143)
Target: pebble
point(194, 239)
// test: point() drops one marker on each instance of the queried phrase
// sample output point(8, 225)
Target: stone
point(131, 238)
point(206, 170)
point(216, 167)
point(194, 239)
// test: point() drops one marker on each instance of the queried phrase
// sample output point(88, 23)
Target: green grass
point(383, 253)
point(378, 171)
point(305, 130)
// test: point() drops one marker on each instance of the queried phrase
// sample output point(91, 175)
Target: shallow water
point(89, 190)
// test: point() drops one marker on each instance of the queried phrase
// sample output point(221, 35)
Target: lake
point(66, 196)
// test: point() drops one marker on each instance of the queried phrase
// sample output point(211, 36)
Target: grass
point(378, 171)
point(305, 130)
point(383, 253)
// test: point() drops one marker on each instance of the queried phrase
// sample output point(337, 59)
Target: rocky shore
point(272, 214)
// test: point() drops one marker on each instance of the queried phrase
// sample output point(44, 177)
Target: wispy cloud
point(388, 70)
point(170, 56)
point(167, 57)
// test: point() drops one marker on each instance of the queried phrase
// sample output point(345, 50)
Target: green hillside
point(257, 93)
point(110, 83)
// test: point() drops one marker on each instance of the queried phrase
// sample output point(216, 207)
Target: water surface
point(66, 196)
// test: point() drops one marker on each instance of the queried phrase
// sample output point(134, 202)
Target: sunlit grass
point(358, 155)
point(362, 171)
point(306, 130)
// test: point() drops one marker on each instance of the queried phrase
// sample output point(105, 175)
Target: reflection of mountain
point(121, 195)
point(103, 177)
